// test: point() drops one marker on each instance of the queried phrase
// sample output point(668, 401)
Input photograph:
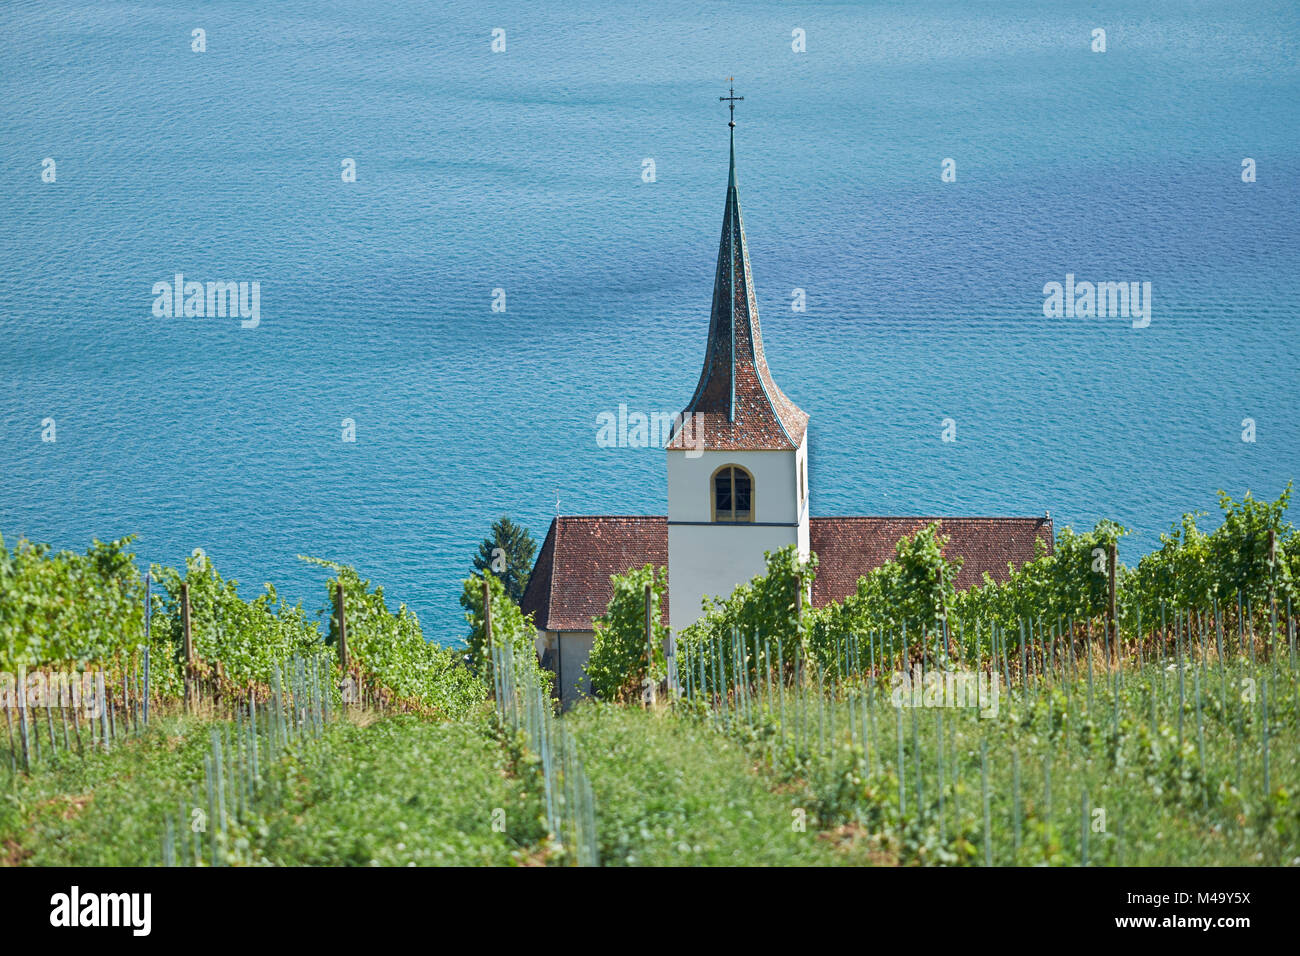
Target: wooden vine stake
point(189, 645)
point(1113, 627)
point(148, 613)
point(1272, 592)
point(943, 610)
point(22, 717)
point(648, 696)
point(487, 619)
point(341, 611)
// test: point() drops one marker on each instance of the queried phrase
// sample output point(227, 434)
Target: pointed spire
point(736, 401)
point(731, 172)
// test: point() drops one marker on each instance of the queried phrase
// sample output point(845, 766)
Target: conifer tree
point(507, 552)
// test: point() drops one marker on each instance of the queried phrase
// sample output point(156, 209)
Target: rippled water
point(523, 171)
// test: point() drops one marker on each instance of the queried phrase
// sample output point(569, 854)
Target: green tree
point(508, 553)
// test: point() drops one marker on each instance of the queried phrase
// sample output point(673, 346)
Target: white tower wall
point(711, 558)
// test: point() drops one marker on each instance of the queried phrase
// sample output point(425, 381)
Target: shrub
point(249, 638)
point(510, 627)
point(391, 651)
point(617, 665)
point(64, 608)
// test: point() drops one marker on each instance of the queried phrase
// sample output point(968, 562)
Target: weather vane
point(731, 101)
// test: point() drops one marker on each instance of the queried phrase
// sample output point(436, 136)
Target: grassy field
point(105, 809)
point(404, 791)
point(672, 791)
point(397, 791)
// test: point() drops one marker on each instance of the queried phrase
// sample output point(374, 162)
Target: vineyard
point(1078, 713)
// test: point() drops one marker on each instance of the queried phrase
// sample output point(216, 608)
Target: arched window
point(733, 494)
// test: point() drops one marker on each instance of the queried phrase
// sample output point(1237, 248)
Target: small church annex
point(738, 486)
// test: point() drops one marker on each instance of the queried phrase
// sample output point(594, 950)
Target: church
point(738, 486)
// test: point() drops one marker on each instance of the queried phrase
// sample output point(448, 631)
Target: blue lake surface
point(522, 171)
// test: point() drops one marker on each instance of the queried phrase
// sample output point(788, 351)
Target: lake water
point(523, 171)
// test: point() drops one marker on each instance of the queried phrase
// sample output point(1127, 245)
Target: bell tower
point(738, 462)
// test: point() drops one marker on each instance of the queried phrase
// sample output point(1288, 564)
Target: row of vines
point(1244, 575)
point(67, 612)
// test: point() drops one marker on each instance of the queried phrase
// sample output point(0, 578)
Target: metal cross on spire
point(731, 101)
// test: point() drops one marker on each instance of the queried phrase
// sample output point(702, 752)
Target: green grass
point(914, 780)
point(105, 810)
point(404, 792)
point(671, 791)
point(400, 791)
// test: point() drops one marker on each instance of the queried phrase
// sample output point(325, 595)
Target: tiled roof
point(570, 581)
point(736, 402)
point(848, 548)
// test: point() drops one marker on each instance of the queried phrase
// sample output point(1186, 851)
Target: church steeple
point(736, 401)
